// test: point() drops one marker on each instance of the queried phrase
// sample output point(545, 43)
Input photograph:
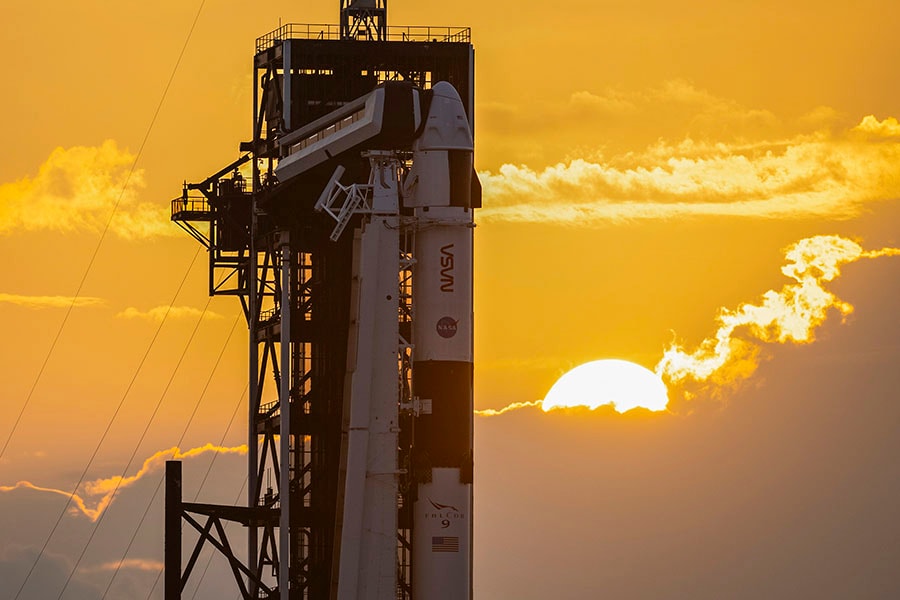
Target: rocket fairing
point(439, 190)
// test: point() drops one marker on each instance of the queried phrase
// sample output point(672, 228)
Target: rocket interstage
point(438, 189)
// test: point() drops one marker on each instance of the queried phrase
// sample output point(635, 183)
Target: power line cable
point(109, 424)
point(102, 237)
point(222, 441)
point(180, 442)
point(78, 293)
point(137, 446)
point(203, 482)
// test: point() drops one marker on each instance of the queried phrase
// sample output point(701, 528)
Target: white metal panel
point(368, 550)
point(309, 153)
point(443, 513)
point(442, 284)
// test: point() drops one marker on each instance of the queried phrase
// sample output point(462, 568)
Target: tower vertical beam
point(173, 530)
point(287, 86)
point(284, 395)
point(253, 358)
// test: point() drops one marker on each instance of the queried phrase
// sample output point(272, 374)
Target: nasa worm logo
point(446, 327)
point(447, 268)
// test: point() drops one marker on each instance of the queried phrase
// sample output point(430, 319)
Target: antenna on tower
point(364, 20)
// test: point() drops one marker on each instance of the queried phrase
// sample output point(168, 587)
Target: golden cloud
point(138, 564)
point(790, 314)
point(493, 412)
point(50, 301)
point(808, 176)
point(107, 488)
point(77, 189)
point(675, 100)
point(159, 313)
point(872, 126)
point(611, 103)
point(615, 122)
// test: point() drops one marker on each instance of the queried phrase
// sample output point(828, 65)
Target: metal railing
point(189, 205)
point(268, 407)
point(324, 31)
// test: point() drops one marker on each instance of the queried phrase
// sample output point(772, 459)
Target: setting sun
point(624, 385)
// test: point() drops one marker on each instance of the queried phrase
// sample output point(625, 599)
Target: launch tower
point(348, 243)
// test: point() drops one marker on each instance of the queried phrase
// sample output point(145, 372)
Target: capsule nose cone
point(444, 89)
point(447, 126)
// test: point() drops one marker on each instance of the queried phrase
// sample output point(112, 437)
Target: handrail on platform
point(325, 31)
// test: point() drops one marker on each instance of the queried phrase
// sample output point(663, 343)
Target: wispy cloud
point(137, 564)
point(790, 314)
point(76, 189)
point(97, 495)
point(493, 412)
point(678, 101)
point(615, 123)
point(810, 175)
point(158, 313)
point(50, 301)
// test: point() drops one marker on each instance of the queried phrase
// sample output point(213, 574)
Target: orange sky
point(644, 164)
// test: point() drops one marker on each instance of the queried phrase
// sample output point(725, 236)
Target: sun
point(624, 385)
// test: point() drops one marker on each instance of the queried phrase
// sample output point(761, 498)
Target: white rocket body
point(438, 188)
point(438, 191)
point(368, 490)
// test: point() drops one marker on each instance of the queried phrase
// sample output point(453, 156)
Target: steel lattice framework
point(270, 249)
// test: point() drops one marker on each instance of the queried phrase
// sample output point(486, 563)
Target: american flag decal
point(444, 544)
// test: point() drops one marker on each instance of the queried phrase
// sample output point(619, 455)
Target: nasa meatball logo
point(446, 327)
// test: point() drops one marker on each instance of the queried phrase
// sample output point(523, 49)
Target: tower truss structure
point(272, 247)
